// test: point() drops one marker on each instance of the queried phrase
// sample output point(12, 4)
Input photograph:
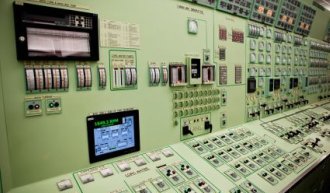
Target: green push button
point(51, 105)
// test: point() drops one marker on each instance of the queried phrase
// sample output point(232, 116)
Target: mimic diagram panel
point(201, 67)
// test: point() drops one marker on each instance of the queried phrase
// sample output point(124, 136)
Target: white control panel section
point(46, 78)
point(125, 77)
point(165, 74)
point(84, 77)
point(123, 70)
point(154, 74)
point(102, 75)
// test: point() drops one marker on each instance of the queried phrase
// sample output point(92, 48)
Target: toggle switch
point(186, 130)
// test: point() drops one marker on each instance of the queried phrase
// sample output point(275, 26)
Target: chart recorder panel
point(47, 33)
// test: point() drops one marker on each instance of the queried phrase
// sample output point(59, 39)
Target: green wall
point(49, 145)
point(5, 172)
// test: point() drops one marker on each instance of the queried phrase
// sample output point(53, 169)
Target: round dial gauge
point(192, 26)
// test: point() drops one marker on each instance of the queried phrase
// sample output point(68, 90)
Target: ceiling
point(324, 3)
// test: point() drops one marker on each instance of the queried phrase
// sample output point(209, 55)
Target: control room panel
point(185, 96)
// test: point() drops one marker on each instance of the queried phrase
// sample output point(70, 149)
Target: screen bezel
point(90, 120)
point(22, 52)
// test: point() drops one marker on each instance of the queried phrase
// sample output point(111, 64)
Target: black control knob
point(31, 107)
point(263, 105)
point(56, 104)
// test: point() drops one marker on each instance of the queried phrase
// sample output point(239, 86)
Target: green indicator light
point(106, 122)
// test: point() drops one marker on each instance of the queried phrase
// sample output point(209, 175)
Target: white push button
point(154, 157)
point(139, 162)
point(86, 178)
point(167, 152)
point(106, 172)
point(123, 166)
point(64, 185)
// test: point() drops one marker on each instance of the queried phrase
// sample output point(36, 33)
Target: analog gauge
point(192, 26)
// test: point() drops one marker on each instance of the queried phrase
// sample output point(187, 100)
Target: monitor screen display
point(113, 134)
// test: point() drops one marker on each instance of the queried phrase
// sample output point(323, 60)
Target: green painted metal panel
point(49, 145)
point(1, 190)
